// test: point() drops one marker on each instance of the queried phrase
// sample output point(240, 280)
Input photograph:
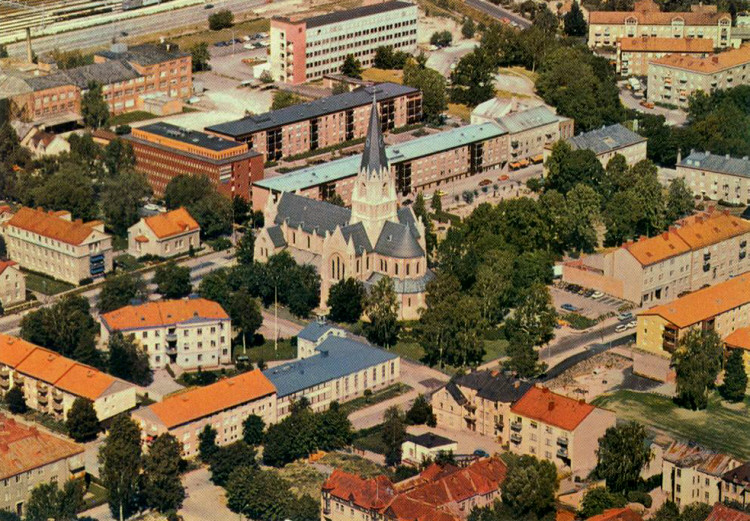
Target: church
point(372, 240)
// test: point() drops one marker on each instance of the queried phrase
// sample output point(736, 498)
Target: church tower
point(374, 200)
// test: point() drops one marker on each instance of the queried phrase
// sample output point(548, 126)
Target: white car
point(632, 324)
point(597, 295)
point(621, 328)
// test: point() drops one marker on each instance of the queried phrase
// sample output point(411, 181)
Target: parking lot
point(586, 306)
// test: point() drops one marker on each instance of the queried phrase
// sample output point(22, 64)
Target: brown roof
point(24, 448)
point(163, 313)
point(48, 225)
point(739, 475)
point(709, 64)
point(617, 514)
point(656, 44)
point(656, 249)
point(647, 13)
point(722, 512)
point(539, 403)
point(690, 455)
point(171, 223)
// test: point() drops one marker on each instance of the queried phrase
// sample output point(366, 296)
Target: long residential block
point(606, 142)
point(721, 178)
point(634, 54)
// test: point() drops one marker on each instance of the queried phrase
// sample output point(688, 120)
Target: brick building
point(634, 54)
point(164, 235)
point(164, 151)
point(324, 122)
point(306, 50)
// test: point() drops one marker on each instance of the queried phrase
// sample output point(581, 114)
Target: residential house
point(721, 512)
point(12, 284)
point(736, 485)
point(692, 474)
point(417, 449)
point(606, 142)
point(164, 235)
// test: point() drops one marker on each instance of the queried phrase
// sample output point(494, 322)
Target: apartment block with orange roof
point(674, 77)
point(189, 333)
point(51, 383)
point(12, 284)
point(560, 429)
point(55, 245)
point(633, 54)
point(164, 235)
point(223, 405)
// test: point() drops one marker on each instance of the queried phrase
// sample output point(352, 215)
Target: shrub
point(636, 496)
point(220, 20)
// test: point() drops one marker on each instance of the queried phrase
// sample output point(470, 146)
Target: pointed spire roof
point(373, 156)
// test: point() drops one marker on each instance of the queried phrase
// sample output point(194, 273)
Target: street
point(672, 117)
point(498, 12)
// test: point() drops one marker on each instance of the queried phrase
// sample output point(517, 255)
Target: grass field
point(460, 110)
point(131, 117)
point(250, 27)
point(383, 75)
point(266, 351)
point(413, 351)
point(379, 396)
point(719, 427)
point(306, 479)
point(45, 285)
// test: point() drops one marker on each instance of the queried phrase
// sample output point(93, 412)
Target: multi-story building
point(312, 335)
point(736, 485)
point(740, 339)
point(12, 284)
point(606, 142)
point(702, 21)
point(51, 383)
point(721, 178)
point(164, 151)
point(673, 78)
point(53, 244)
point(691, 474)
point(164, 235)
point(699, 250)
point(530, 131)
point(562, 430)
point(634, 54)
point(307, 49)
point(223, 405)
point(479, 402)
point(617, 514)
point(189, 333)
point(32, 457)
point(340, 370)
point(324, 122)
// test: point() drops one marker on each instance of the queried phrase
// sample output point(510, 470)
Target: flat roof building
point(717, 177)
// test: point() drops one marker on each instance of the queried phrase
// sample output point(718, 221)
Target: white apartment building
point(164, 235)
point(55, 245)
point(305, 50)
point(691, 474)
point(716, 177)
point(189, 333)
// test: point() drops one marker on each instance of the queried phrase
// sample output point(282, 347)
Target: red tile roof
point(740, 339)
point(171, 223)
point(722, 512)
point(6, 264)
point(163, 313)
point(539, 403)
point(709, 64)
point(51, 226)
point(656, 44)
point(617, 514)
point(647, 13)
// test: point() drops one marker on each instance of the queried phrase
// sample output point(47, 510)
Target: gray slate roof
point(528, 119)
point(605, 139)
point(312, 215)
point(404, 286)
point(430, 440)
point(406, 217)
point(337, 357)
point(373, 155)
point(277, 236)
point(191, 137)
point(314, 330)
point(494, 386)
point(103, 73)
point(357, 12)
point(144, 54)
point(312, 109)
point(715, 163)
point(358, 235)
point(396, 240)
point(59, 79)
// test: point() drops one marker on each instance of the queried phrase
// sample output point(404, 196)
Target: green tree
point(68, 189)
point(574, 22)
point(120, 290)
point(597, 500)
point(245, 313)
point(393, 434)
point(535, 316)
point(581, 218)
point(697, 361)
point(48, 502)
point(283, 99)
point(6, 515)
point(305, 508)
point(433, 87)
point(622, 455)
point(696, 512)
point(258, 494)
point(15, 400)
point(567, 168)
point(246, 248)
point(128, 360)
point(186, 190)
point(468, 28)
point(221, 20)
point(3, 51)
point(735, 377)
point(436, 203)
point(381, 308)
point(121, 198)
point(201, 57)
point(667, 512)
point(215, 286)
point(351, 67)
point(334, 430)
point(197, 194)
point(420, 412)
point(94, 109)
point(530, 486)
point(472, 80)
point(230, 457)
point(117, 157)
point(292, 438)
point(648, 189)
point(621, 216)
point(345, 300)
point(82, 423)
point(546, 21)
point(252, 430)
point(441, 38)
point(207, 447)
point(162, 487)
point(680, 200)
point(173, 280)
point(120, 459)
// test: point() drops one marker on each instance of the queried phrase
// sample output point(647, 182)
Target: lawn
point(383, 75)
point(45, 285)
point(127, 262)
point(413, 351)
point(379, 396)
point(370, 439)
point(266, 352)
point(519, 71)
point(250, 27)
point(306, 479)
point(127, 118)
point(460, 110)
point(719, 427)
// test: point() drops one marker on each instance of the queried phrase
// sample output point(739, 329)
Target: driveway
point(442, 59)
point(673, 117)
point(588, 307)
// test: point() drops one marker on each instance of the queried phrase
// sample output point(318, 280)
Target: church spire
point(373, 156)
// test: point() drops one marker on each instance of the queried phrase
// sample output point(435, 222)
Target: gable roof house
point(164, 235)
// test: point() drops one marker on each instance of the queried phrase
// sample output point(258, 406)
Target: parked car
point(569, 307)
point(481, 453)
point(625, 317)
point(503, 177)
point(208, 6)
point(632, 324)
point(647, 104)
point(485, 182)
point(588, 293)
point(621, 328)
point(597, 295)
point(440, 193)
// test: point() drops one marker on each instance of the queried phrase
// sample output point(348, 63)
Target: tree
point(245, 313)
point(599, 499)
point(697, 361)
point(118, 157)
point(186, 190)
point(201, 57)
point(207, 447)
point(283, 99)
point(387, 58)
point(215, 286)
point(3, 51)
point(3, 249)
point(68, 189)
point(230, 457)
point(530, 486)
point(568, 168)
point(82, 423)
point(648, 189)
point(292, 438)
point(173, 280)
point(305, 508)
point(574, 22)
point(334, 430)
point(128, 360)
point(696, 512)
point(120, 459)
point(535, 316)
point(680, 201)
point(49, 502)
point(121, 290)
point(421, 413)
point(581, 217)
point(468, 28)
point(221, 20)
point(441, 38)
point(622, 455)
point(197, 194)
point(381, 308)
point(15, 400)
point(252, 430)
point(162, 487)
point(735, 377)
point(6, 515)
point(433, 87)
point(393, 434)
point(345, 300)
point(351, 67)
point(472, 80)
point(546, 21)
point(94, 109)
point(121, 198)
point(669, 511)
point(258, 494)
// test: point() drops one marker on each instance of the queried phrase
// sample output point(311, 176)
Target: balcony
point(562, 452)
point(57, 396)
point(42, 388)
point(5, 384)
point(57, 407)
point(563, 442)
point(515, 437)
point(515, 426)
point(171, 337)
point(42, 399)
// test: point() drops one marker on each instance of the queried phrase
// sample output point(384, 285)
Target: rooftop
point(199, 403)
point(312, 109)
point(24, 447)
point(657, 44)
point(105, 73)
point(351, 14)
point(51, 226)
point(722, 512)
point(528, 119)
point(709, 64)
point(144, 55)
point(314, 330)
point(539, 403)
point(190, 137)
point(717, 163)
point(617, 514)
point(494, 385)
point(336, 357)
point(647, 13)
point(739, 475)
point(690, 455)
point(6, 264)
point(704, 303)
point(605, 139)
point(429, 440)
point(163, 313)
point(171, 223)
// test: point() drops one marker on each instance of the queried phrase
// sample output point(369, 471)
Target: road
point(673, 117)
point(498, 12)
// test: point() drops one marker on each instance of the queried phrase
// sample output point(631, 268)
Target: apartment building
point(12, 284)
point(223, 405)
point(646, 19)
point(324, 122)
point(692, 474)
point(51, 383)
point(164, 235)
point(700, 250)
point(307, 49)
point(736, 485)
point(479, 402)
point(562, 430)
point(189, 333)
point(739, 339)
point(55, 245)
point(673, 78)
point(721, 178)
point(530, 131)
point(340, 370)
point(31, 457)
point(164, 151)
point(606, 142)
point(634, 54)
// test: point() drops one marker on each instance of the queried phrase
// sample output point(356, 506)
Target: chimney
point(679, 155)
point(672, 229)
point(550, 405)
point(665, 236)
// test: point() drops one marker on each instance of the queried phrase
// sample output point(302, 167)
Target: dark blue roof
point(313, 331)
point(337, 357)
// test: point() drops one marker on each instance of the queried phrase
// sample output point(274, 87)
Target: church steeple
point(373, 156)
